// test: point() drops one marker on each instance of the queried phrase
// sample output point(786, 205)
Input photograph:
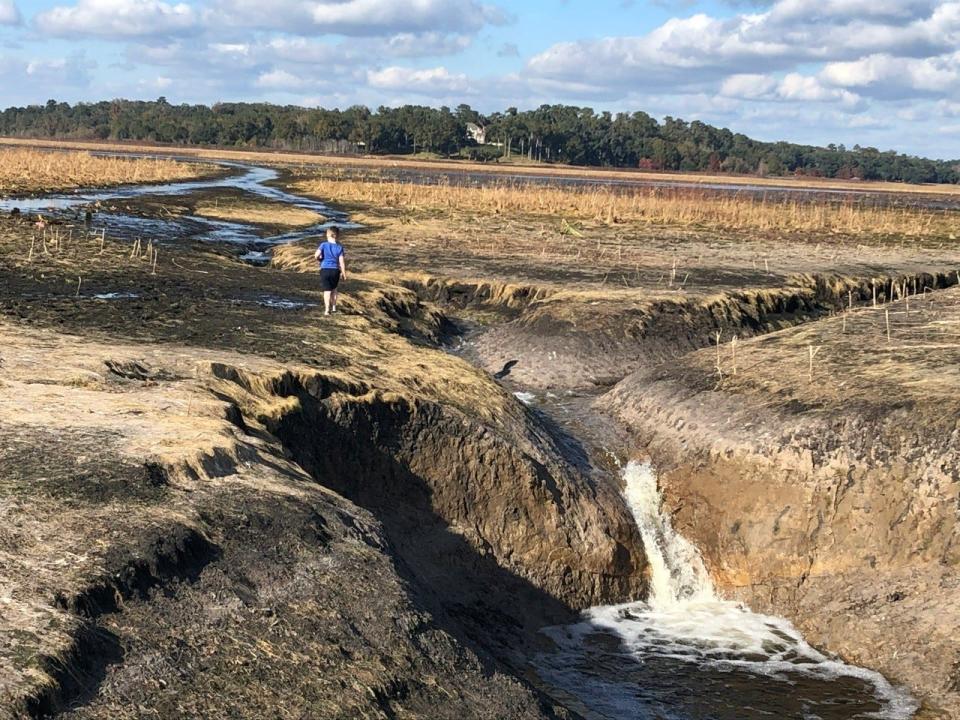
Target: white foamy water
point(116, 296)
point(687, 654)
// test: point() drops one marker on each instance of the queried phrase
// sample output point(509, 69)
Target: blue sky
point(875, 72)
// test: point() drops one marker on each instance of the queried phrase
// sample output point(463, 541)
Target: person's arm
point(319, 253)
point(343, 267)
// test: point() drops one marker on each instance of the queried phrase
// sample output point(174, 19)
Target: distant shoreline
point(492, 168)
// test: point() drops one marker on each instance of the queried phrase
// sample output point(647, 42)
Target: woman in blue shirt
point(333, 268)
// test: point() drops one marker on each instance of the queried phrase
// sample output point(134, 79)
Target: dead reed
point(29, 170)
point(680, 207)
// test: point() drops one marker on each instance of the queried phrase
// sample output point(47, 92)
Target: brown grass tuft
point(678, 207)
point(260, 213)
point(26, 170)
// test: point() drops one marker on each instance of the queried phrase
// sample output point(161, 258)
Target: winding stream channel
point(684, 653)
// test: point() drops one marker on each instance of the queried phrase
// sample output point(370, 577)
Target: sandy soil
point(815, 464)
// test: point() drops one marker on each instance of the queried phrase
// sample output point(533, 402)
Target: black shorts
point(329, 279)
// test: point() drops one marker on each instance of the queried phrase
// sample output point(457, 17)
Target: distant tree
point(549, 133)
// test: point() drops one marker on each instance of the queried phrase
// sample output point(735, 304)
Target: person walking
point(333, 268)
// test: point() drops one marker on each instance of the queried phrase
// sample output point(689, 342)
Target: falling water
point(687, 654)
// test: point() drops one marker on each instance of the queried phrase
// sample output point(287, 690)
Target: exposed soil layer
point(824, 491)
point(372, 528)
point(817, 469)
point(220, 496)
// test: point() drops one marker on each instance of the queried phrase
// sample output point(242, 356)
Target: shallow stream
point(107, 213)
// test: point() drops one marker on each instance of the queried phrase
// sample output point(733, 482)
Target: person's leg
point(326, 301)
point(333, 301)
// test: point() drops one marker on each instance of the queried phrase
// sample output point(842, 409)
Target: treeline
point(551, 133)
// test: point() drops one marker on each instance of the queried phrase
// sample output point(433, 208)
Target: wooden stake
point(813, 353)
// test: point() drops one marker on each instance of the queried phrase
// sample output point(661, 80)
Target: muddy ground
point(171, 536)
point(581, 305)
point(208, 396)
point(816, 463)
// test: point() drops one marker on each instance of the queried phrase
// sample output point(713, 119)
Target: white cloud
point(118, 19)
point(426, 44)
point(888, 76)
point(435, 81)
point(71, 72)
point(279, 80)
point(695, 49)
point(804, 10)
point(154, 85)
point(806, 88)
point(241, 49)
point(361, 17)
point(704, 49)
point(9, 14)
point(867, 121)
point(793, 87)
point(748, 86)
point(948, 108)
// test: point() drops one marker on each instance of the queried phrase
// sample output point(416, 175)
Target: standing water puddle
point(686, 654)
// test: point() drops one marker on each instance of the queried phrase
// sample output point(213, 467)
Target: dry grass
point(625, 174)
point(905, 351)
point(651, 206)
point(27, 170)
point(77, 253)
point(261, 213)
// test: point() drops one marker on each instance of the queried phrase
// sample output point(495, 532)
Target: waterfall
point(677, 572)
point(687, 654)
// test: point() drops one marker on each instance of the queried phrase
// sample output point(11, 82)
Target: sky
point(882, 73)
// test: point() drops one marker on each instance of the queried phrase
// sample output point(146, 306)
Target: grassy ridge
point(30, 170)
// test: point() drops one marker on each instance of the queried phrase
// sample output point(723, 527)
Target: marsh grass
point(675, 207)
point(261, 213)
point(80, 254)
point(376, 163)
point(24, 170)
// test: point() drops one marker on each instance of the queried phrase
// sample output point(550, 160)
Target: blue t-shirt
point(330, 253)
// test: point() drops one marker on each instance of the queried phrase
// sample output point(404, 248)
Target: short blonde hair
point(333, 231)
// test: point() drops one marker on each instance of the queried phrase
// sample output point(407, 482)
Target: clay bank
point(218, 503)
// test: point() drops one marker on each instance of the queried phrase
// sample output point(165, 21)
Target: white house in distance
point(476, 133)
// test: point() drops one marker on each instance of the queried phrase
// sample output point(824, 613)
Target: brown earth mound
point(817, 469)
